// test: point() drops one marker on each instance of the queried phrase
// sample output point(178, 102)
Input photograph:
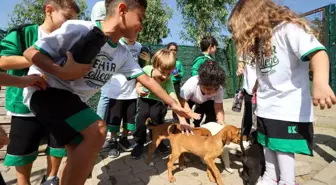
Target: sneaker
point(53, 181)
point(107, 144)
point(137, 151)
point(114, 150)
point(163, 148)
point(125, 144)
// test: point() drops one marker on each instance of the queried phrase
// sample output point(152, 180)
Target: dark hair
point(172, 44)
point(211, 74)
point(63, 4)
point(208, 41)
point(131, 4)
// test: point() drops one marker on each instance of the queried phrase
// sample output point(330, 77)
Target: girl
point(206, 91)
point(283, 45)
point(178, 72)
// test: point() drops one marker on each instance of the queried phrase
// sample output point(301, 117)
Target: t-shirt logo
point(267, 64)
point(134, 53)
point(102, 70)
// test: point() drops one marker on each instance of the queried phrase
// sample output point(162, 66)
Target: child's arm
point(70, 71)
point(322, 93)
point(219, 110)
point(155, 88)
point(185, 127)
point(21, 82)
point(14, 62)
point(139, 90)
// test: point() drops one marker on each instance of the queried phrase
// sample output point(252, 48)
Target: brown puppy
point(207, 148)
point(160, 132)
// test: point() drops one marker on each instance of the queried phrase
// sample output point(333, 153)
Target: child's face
point(59, 16)
point(208, 90)
point(132, 22)
point(172, 48)
point(161, 75)
point(212, 50)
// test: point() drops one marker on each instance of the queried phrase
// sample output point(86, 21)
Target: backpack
point(20, 33)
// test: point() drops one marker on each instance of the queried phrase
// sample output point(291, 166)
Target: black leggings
point(177, 87)
point(207, 108)
point(148, 108)
point(248, 113)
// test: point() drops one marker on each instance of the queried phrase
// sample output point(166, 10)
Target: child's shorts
point(25, 136)
point(286, 136)
point(121, 110)
point(63, 113)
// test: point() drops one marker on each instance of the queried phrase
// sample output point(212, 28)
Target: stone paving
point(317, 170)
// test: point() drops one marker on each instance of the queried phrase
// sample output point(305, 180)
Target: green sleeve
point(170, 87)
point(180, 69)
point(10, 45)
point(196, 66)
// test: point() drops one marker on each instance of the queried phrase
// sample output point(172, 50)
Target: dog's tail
point(172, 129)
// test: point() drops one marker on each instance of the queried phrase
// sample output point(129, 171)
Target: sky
point(299, 6)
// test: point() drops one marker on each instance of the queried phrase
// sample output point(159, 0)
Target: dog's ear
point(227, 135)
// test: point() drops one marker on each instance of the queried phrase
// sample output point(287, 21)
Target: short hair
point(111, 4)
point(164, 59)
point(62, 4)
point(172, 44)
point(208, 41)
point(211, 74)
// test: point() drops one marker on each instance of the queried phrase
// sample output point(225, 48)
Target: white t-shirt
point(283, 92)
point(192, 91)
point(250, 77)
point(112, 58)
point(119, 87)
point(41, 34)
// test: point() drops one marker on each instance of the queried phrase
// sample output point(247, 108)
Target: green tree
point(155, 26)
point(2, 33)
point(30, 11)
point(203, 17)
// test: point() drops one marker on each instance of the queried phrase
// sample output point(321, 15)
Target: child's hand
point(141, 92)
point(4, 140)
point(323, 95)
point(184, 112)
point(186, 128)
point(145, 56)
point(34, 80)
point(73, 70)
point(240, 71)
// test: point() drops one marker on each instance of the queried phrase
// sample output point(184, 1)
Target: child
point(208, 46)
point(206, 91)
point(8, 80)
point(248, 70)
point(178, 72)
point(26, 131)
point(149, 105)
point(283, 46)
point(78, 126)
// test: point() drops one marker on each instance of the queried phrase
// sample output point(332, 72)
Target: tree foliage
point(203, 17)
point(2, 33)
point(31, 11)
point(155, 26)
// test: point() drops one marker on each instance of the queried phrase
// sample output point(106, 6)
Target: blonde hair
point(164, 59)
point(252, 22)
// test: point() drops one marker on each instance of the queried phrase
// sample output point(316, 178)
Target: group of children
point(278, 40)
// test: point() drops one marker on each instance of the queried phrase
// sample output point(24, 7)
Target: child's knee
point(96, 132)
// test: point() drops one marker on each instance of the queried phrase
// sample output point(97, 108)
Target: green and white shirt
point(112, 58)
point(11, 46)
point(119, 87)
point(284, 92)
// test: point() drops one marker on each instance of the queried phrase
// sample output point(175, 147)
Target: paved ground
point(317, 170)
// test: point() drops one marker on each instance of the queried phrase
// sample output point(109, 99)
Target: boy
point(26, 131)
point(208, 46)
point(149, 105)
point(77, 126)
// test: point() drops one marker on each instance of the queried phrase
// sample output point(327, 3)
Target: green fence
point(323, 24)
point(187, 54)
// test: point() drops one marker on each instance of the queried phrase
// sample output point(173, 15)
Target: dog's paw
point(182, 167)
point(151, 164)
point(230, 170)
point(172, 179)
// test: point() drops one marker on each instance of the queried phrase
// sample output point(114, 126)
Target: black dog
point(253, 160)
